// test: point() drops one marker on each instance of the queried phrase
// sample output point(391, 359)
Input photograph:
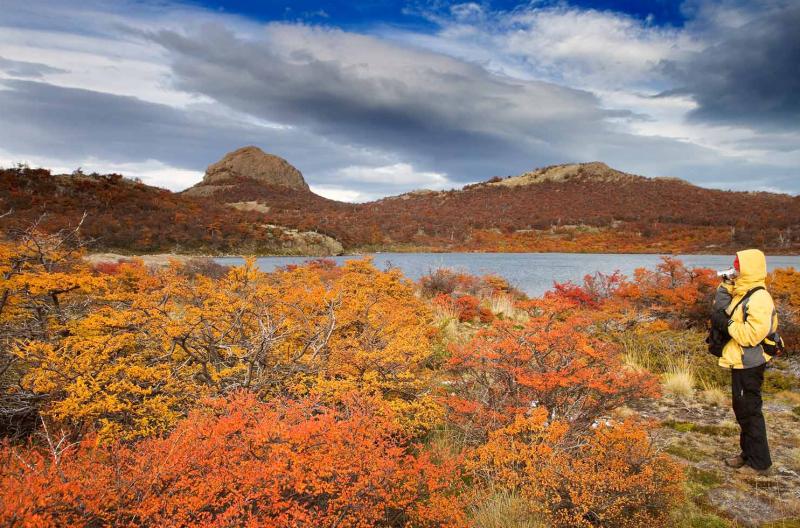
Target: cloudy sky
point(379, 97)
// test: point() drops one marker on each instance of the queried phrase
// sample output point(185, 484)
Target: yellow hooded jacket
point(744, 349)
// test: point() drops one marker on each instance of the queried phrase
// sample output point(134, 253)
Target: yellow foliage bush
point(145, 345)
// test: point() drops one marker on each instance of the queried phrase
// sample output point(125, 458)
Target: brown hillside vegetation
point(128, 216)
point(578, 207)
point(586, 207)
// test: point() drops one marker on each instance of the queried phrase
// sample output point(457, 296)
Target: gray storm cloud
point(439, 113)
point(436, 111)
point(26, 69)
point(751, 77)
point(72, 124)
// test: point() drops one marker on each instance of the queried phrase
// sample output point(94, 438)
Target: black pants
point(746, 384)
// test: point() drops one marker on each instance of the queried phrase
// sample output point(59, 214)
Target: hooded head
point(752, 270)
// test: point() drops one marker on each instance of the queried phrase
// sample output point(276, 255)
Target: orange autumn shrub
point(610, 477)
point(551, 361)
point(379, 339)
point(499, 285)
point(44, 287)
point(595, 290)
point(237, 462)
point(673, 292)
point(784, 286)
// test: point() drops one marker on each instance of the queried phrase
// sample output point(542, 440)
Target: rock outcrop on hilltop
point(596, 171)
point(250, 163)
point(242, 179)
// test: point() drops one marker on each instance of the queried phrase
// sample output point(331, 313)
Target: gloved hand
point(719, 320)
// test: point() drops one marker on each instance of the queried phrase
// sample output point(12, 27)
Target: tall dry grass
point(678, 356)
point(503, 509)
point(504, 305)
point(679, 381)
point(445, 318)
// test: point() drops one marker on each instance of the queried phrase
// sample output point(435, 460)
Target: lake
point(533, 273)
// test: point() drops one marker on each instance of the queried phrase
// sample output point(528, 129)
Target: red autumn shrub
point(485, 315)
point(467, 307)
point(237, 463)
point(108, 268)
point(551, 361)
point(596, 289)
point(572, 293)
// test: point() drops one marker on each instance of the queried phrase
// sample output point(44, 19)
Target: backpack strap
point(743, 299)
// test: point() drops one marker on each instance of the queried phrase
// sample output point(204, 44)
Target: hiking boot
point(735, 462)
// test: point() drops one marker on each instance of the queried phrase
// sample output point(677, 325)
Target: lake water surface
point(533, 273)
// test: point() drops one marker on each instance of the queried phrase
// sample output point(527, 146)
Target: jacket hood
point(752, 270)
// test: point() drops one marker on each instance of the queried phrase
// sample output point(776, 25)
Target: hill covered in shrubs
point(573, 208)
point(127, 216)
point(255, 203)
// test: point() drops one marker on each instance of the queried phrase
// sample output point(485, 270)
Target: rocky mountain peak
point(252, 162)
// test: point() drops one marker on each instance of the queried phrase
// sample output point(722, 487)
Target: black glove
point(719, 320)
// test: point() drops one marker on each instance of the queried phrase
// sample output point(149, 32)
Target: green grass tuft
point(711, 430)
point(685, 452)
point(784, 523)
point(704, 477)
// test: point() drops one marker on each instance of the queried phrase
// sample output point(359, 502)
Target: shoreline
point(163, 258)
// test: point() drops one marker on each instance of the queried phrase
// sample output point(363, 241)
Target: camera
point(728, 274)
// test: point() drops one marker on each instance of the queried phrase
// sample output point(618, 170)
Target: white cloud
point(363, 183)
point(151, 172)
point(397, 175)
point(342, 195)
point(582, 48)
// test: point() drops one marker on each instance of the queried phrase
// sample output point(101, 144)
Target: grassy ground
point(701, 431)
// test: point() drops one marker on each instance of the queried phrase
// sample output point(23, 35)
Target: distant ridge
point(570, 207)
point(251, 201)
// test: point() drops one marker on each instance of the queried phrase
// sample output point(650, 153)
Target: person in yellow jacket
point(749, 318)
